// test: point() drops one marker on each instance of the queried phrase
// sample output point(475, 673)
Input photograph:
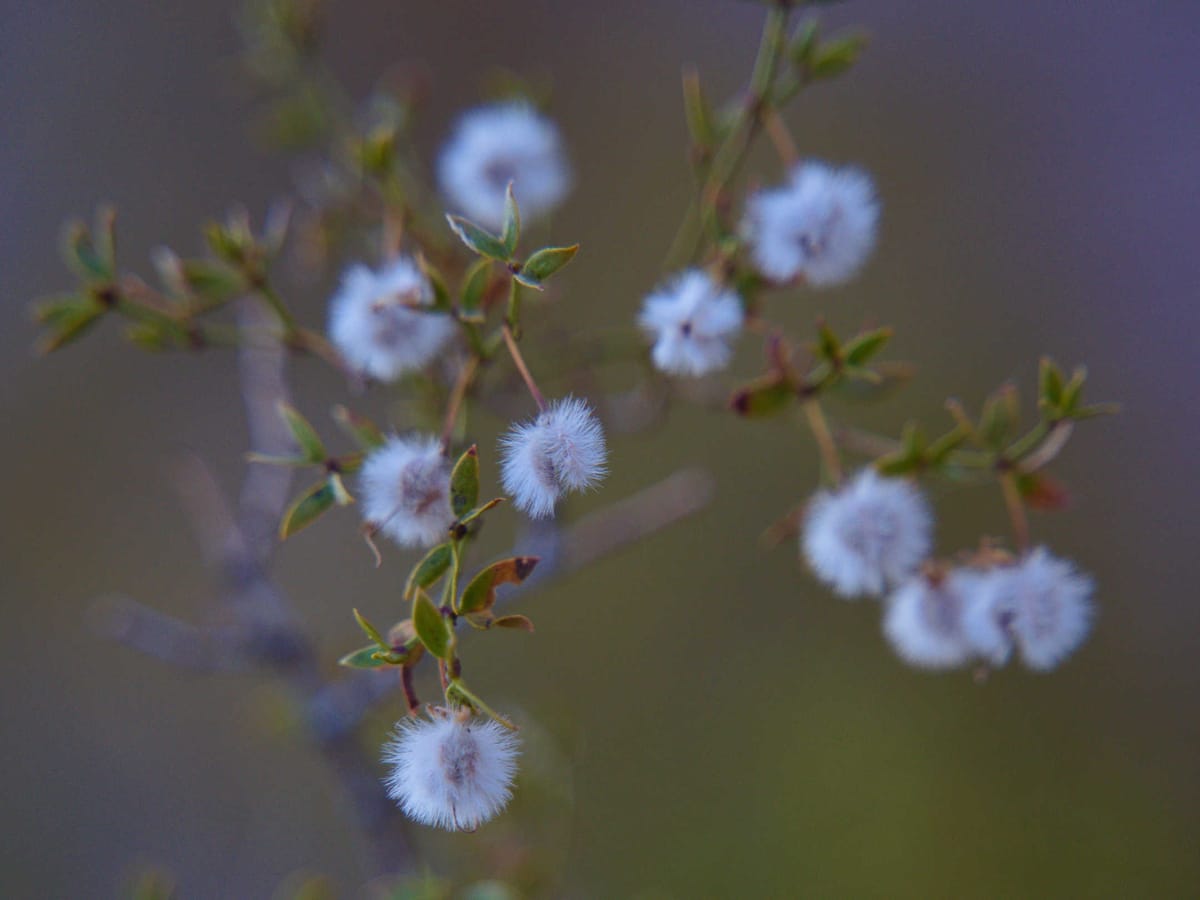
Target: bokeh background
point(715, 724)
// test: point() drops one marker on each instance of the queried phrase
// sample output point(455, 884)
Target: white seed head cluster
point(870, 533)
point(692, 320)
point(819, 225)
point(493, 145)
point(405, 487)
point(1041, 605)
point(376, 323)
point(561, 450)
point(1038, 605)
point(450, 771)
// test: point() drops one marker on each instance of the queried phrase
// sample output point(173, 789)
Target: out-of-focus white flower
point(451, 771)
point(871, 532)
point(493, 145)
point(821, 224)
point(692, 320)
point(924, 618)
point(561, 450)
point(405, 486)
point(1041, 604)
point(374, 325)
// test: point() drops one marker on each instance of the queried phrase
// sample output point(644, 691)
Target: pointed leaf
point(480, 594)
point(369, 657)
point(303, 433)
point(481, 241)
point(464, 482)
point(763, 397)
point(859, 350)
point(427, 572)
point(512, 222)
point(358, 428)
point(307, 507)
point(474, 287)
point(697, 110)
point(371, 631)
point(545, 262)
point(473, 514)
point(432, 629)
point(1050, 384)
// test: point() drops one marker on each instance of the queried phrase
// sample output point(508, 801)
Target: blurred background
point(709, 721)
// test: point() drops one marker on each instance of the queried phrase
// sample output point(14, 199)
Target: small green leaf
point(763, 397)
point(1050, 384)
point(697, 110)
point(1072, 391)
point(473, 514)
point(371, 631)
point(82, 255)
point(358, 428)
point(522, 277)
point(304, 434)
point(513, 621)
point(432, 629)
point(427, 572)
point(307, 507)
point(67, 319)
point(480, 594)
point(474, 287)
point(828, 346)
point(832, 58)
point(803, 42)
point(1000, 417)
point(860, 349)
point(464, 482)
point(211, 279)
point(369, 657)
point(545, 262)
point(268, 459)
point(940, 449)
point(441, 296)
point(482, 242)
point(512, 223)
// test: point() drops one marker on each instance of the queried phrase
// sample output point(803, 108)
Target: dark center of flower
point(499, 172)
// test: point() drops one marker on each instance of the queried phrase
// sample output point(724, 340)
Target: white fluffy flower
point(561, 450)
point(451, 772)
point(1041, 604)
point(494, 145)
point(405, 486)
point(924, 618)
point(692, 320)
point(373, 324)
point(821, 224)
point(871, 532)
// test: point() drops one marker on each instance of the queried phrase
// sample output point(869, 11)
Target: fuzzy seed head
point(561, 450)
point(820, 225)
point(376, 323)
point(924, 619)
point(405, 487)
point(692, 320)
point(1041, 605)
point(451, 772)
point(493, 145)
point(871, 532)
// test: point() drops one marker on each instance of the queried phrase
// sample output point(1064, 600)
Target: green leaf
point(828, 346)
point(482, 242)
point(545, 262)
point(441, 296)
point(803, 42)
point(369, 657)
point(480, 594)
point(512, 223)
point(371, 631)
point(67, 318)
point(1050, 384)
point(471, 515)
point(474, 287)
point(358, 428)
point(307, 507)
point(1072, 391)
point(303, 433)
point(763, 397)
point(832, 58)
point(464, 482)
point(1000, 417)
point(82, 255)
point(427, 572)
point(859, 350)
point(697, 110)
point(432, 629)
